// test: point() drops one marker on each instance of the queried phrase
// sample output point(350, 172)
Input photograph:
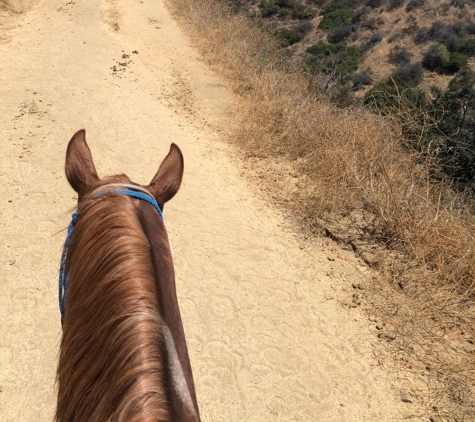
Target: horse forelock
point(110, 362)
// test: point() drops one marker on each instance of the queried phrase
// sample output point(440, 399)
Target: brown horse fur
point(123, 355)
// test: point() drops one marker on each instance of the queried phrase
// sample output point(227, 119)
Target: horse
point(123, 354)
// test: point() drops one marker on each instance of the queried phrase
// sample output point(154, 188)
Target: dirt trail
point(269, 335)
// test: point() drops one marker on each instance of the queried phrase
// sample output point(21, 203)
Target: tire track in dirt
point(269, 334)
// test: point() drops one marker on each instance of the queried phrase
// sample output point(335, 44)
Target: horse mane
point(112, 347)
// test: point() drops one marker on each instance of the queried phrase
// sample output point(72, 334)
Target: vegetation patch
point(287, 9)
point(334, 59)
point(290, 36)
point(439, 59)
point(336, 19)
point(269, 8)
point(441, 126)
point(322, 49)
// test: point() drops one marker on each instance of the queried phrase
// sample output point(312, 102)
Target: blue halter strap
point(64, 278)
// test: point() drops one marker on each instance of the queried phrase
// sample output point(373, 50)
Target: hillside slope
point(385, 35)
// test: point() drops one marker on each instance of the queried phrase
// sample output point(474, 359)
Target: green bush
point(282, 7)
point(457, 61)
point(326, 24)
point(437, 57)
point(393, 94)
point(443, 54)
point(269, 8)
point(322, 49)
point(441, 126)
point(354, 56)
point(284, 13)
point(454, 133)
point(336, 19)
point(289, 36)
point(334, 59)
point(469, 47)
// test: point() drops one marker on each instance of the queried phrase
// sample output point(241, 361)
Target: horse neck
point(183, 403)
point(111, 357)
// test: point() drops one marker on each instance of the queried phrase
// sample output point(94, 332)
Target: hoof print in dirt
point(386, 336)
point(406, 396)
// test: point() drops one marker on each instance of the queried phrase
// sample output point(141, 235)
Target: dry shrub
point(426, 332)
point(354, 177)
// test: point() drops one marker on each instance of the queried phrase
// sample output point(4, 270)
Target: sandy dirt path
point(269, 336)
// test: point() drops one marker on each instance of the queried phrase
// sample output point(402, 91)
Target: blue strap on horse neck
point(64, 280)
point(136, 195)
point(63, 286)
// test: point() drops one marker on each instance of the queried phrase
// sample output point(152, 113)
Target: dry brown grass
point(355, 180)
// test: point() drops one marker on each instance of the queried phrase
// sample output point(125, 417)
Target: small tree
point(436, 57)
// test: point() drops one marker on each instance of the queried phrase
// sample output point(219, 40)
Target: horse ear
point(167, 181)
point(80, 169)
